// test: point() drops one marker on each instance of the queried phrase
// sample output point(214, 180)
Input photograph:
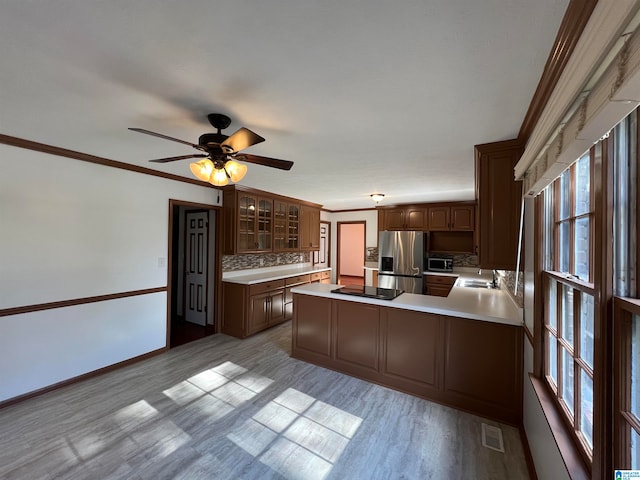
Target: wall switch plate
point(162, 262)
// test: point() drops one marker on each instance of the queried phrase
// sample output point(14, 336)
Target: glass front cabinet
point(259, 222)
point(255, 223)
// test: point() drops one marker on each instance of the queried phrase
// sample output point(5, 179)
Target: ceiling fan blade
point(240, 140)
point(166, 137)
point(181, 157)
point(266, 161)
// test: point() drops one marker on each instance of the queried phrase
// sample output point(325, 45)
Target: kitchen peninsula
point(464, 350)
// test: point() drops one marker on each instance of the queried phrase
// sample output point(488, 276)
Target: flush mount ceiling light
point(377, 197)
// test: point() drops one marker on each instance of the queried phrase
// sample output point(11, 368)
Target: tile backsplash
point(247, 261)
point(509, 279)
point(459, 260)
point(465, 260)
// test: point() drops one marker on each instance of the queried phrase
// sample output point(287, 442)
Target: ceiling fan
point(221, 152)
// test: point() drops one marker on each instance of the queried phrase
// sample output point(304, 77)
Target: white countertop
point(492, 305)
point(258, 275)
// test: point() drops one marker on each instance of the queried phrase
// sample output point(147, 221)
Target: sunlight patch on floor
point(297, 436)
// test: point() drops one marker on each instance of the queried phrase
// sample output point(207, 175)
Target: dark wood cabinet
point(459, 217)
point(356, 332)
point(403, 218)
point(248, 222)
point(248, 309)
point(469, 364)
point(483, 367)
point(438, 285)
point(499, 200)
point(411, 350)
point(265, 310)
point(254, 227)
point(290, 283)
point(286, 226)
point(312, 338)
point(258, 222)
point(321, 277)
point(450, 225)
point(309, 228)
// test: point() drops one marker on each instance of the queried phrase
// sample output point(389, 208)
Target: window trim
point(624, 309)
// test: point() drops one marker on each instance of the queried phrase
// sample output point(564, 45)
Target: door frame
point(172, 252)
point(338, 238)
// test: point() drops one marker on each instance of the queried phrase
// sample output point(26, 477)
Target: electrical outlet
point(162, 262)
point(261, 262)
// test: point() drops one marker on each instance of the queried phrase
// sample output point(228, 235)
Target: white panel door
point(321, 257)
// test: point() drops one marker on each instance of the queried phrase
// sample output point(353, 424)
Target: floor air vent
point(492, 438)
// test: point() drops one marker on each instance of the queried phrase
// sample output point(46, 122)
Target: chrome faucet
point(494, 283)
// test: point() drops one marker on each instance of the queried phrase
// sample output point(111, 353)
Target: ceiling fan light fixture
point(219, 177)
point(202, 169)
point(236, 170)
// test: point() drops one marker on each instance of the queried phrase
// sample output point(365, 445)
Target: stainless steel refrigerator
point(401, 260)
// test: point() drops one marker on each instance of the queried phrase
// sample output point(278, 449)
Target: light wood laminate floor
point(222, 408)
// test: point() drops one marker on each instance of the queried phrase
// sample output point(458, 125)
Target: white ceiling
point(363, 95)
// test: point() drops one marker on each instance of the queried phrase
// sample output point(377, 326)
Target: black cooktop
point(370, 292)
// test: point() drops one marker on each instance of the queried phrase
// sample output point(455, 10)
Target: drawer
point(266, 287)
point(439, 280)
point(297, 280)
point(316, 277)
point(325, 275)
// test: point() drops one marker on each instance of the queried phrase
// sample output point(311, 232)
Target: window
point(625, 220)
point(573, 219)
point(627, 379)
point(626, 319)
point(569, 316)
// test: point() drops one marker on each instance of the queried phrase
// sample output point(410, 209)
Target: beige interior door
point(321, 257)
point(196, 247)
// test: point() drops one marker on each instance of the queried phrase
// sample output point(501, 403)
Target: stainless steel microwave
point(440, 264)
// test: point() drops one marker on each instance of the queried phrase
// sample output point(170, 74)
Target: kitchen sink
point(474, 283)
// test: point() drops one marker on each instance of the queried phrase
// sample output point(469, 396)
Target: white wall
point(68, 230)
point(370, 217)
point(544, 450)
point(546, 456)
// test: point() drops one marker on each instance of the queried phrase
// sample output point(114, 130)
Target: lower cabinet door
point(412, 349)
point(312, 328)
point(258, 313)
point(357, 336)
point(276, 307)
point(438, 290)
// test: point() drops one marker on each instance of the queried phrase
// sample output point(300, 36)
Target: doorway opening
point(193, 267)
point(351, 253)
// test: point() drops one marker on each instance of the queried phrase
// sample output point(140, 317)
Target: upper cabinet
point(410, 217)
point(450, 226)
point(286, 226)
point(499, 199)
point(257, 222)
point(458, 217)
point(253, 222)
point(309, 227)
